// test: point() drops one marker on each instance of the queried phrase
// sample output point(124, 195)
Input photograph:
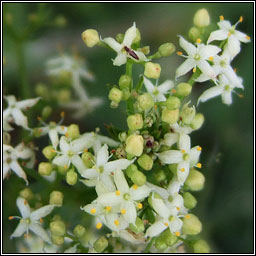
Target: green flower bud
point(62, 170)
point(60, 21)
point(41, 90)
point(146, 101)
point(56, 217)
point(126, 94)
point(170, 116)
point(27, 194)
point(120, 38)
point(169, 238)
point(191, 225)
point(63, 96)
point(145, 162)
point(194, 33)
point(187, 114)
point(58, 228)
point(100, 244)
point(183, 89)
point(56, 198)
point(49, 152)
point(160, 244)
point(138, 178)
point(195, 180)
point(137, 38)
point(166, 49)
point(79, 230)
point(124, 81)
point(45, 168)
point(120, 153)
point(73, 131)
point(134, 145)
point(202, 18)
point(189, 200)
point(88, 159)
point(198, 121)
point(90, 37)
point(172, 103)
point(152, 70)
point(135, 122)
point(57, 240)
point(46, 112)
point(71, 177)
point(115, 95)
point(122, 136)
point(201, 246)
point(160, 175)
point(156, 195)
point(138, 227)
point(132, 168)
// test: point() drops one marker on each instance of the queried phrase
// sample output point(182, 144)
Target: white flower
point(70, 153)
point(102, 169)
point(197, 57)
point(31, 220)
point(224, 88)
point(122, 54)
point(125, 197)
point(229, 32)
point(14, 113)
point(157, 92)
point(11, 156)
point(186, 157)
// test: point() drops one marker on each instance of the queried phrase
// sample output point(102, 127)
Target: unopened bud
point(120, 153)
point(187, 114)
point(114, 105)
point(88, 159)
point(45, 168)
point(138, 227)
point(194, 33)
point(79, 230)
point(27, 194)
point(160, 244)
point(41, 90)
point(169, 238)
point(152, 70)
point(172, 103)
point(49, 152)
point(170, 116)
point(202, 18)
point(145, 162)
point(195, 180)
point(134, 145)
point(120, 38)
point(63, 96)
point(46, 112)
point(138, 178)
point(145, 101)
point(71, 177)
point(160, 175)
point(100, 244)
point(183, 89)
point(56, 198)
point(132, 168)
point(126, 94)
point(58, 228)
point(191, 225)
point(122, 136)
point(189, 200)
point(73, 131)
point(201, 246)
point(135, 122)
point(124, 81)
point(198, 121)
point(57, 240)
point(90, 37)
point(166, 49)
point(60, 21)
point(115, 95)
point(62, 170)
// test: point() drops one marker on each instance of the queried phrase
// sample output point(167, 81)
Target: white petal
point(210, 93)
point(10, 99)
point(24, 104)
point(113, 44)
point(184, 142)
point(23, 152)
point(159, 97)
point(14, 165)
point(148, 84)
point(23, 206)
point(185, 67)
point(175, 225)
point(89, 183)
point(161, 191)
point(101, 188)
point(89, 174)
point(157, 228)
point(62, 160)
point(71, 249)
point(61, 129)
point(6, 168)
point(170, 139)
point(226, 97)
point(217, 35)
point(140, 192)
point(110, 199)
point(107, 140)
point(233, 46)
point(115, 165)
point(130, 34)
point(170, 156)
point(166, 86)
point(53, 134)
point(131, 214)
point(120, 59)
point(102, 156)
point(208, 51)
point(20, 230)
point(160, 207)
point(124, 234)
point(80, 144)
point(224, 24)
point(78, 163)
point(232, 76)
point(174, 187)
point(87, 208)
point(182, 171)
point(206, 68)
point(19, 118)
point(242, 37)
point(41, 212)
point(188, 47)
point(108, 181)
point(121, 182)
point(194, 155)
point(64, 146)
point(39, 231)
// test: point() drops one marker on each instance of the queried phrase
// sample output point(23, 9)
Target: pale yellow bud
point(90, 37)
point(202, 18)
point(152, 70)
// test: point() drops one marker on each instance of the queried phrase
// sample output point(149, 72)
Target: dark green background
point(225, 206)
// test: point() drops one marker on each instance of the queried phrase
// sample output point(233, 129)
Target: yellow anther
point(177, 233)
point(116, 222)
point(155, 106)
point(62, 127)
point(118, 193)
point(65, 166)
point(182, 169)
point(40, 130)
point(240, 95)
point(194, 70)
point(187, 216)
point(199, 148)
point(221, 17)
point(183, 151)
point(211, 58)
point(241, 19)
point(135, 187)
point(166, 224)
point(235, 69)
point(229, 34)
point(66, 134)
point(25, 235)
point(85, 150)
point(198, 40)
point(247, 37)
point(123, 211)
point(93, 210)
point(173, 91)
point(41, 220)
point(11, 218)
point(179, 53)
point(139, 205)
point(199, 165)
point(39, 118)
point(62, 114)
point(178, 208)
point(53, 150)
point(25, 202)
point(108, 208)
point(99, 225)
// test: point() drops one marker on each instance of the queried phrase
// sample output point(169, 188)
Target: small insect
point(131, 53)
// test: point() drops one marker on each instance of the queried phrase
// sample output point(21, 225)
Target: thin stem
point(129, 104)
point(195, 75)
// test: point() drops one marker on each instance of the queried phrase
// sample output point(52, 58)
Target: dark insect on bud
point(131, 53)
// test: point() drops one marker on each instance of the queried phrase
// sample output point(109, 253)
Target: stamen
point(65, 166)
point(183, 151)
point(199, 165)
point(235, 69)
point(99, 225)
point(194, 70)
point(173, 91)
point(25, 202)
point(62, 114)
point(139, 205)
point(85, 150)
point(123, 211)
point(187, 216)
point(211, 58)
point(25, 235)
point(118, 193)
point(182, 169)
point(66, 134)
point(166, 224)
point(179, 53)
point(199, 148)
point(229, 34)
point(177, 233)
point(10, 217)
point(221, 17)
point(247, 37)
point(240, 95)
point(178, 208)
point(108, 208)
point(116, 222)
point(53, 150)
point(62, 127)
point(41, 220)
point(241, 19)
point(93, 211)
point(135, 187)
point(198, 40)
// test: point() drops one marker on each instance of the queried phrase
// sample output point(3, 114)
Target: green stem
point(129, 104)
point(195, 75)
point(149, 245)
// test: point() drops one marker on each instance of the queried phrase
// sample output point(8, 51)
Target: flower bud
point(155, 195)
point(114, 105)
point(137, 38)
point(152, 70)
point(201, 246)
point(88, 159)
point(120, 38)
point(90, 37)
point(41, 90)
point(115, 95)
point(138, 227)
point(124, 81)
point(134, 145)
point(120, 153)
point(145, 162)
point(122, 136)
point(187, 114)
point(63, 96)
point(73, 131)
point(57, 240)
point(138, 178)
point(172, 103)
point(146, 101)
point(71, 177)
point(189, 200)
point(126, 94)
point(194, 33)
point(132, 168)
point(191, 225)
point(60, 21)
point(58, 228)
point(49, 152)
point(46, 112)
point(198, 121)
point(62, 170)
point(166, 49)
point(135, 122)
point(160, 244)
point(183, 89)
point(202, 18)
point(100, 244)
point(45, 168)
point(79, 230)
point(56, 198)
point(27, 194)
point(170, 116)
point(160, 175)
point(195, 180)
point(169, 238)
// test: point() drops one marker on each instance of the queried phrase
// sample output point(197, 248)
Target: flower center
point(170, 199)
point(197, 56)
point(8, 160)
point(126, 196)
point(232, 30)
point(227, 87)
point(223, 63)
point(171, 218)
point(52, 125)
point(27, 220)
point(155, 92)
point(186, 157)
point(70, 153)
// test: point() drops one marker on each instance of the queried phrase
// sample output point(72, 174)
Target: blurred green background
point(225, 206)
